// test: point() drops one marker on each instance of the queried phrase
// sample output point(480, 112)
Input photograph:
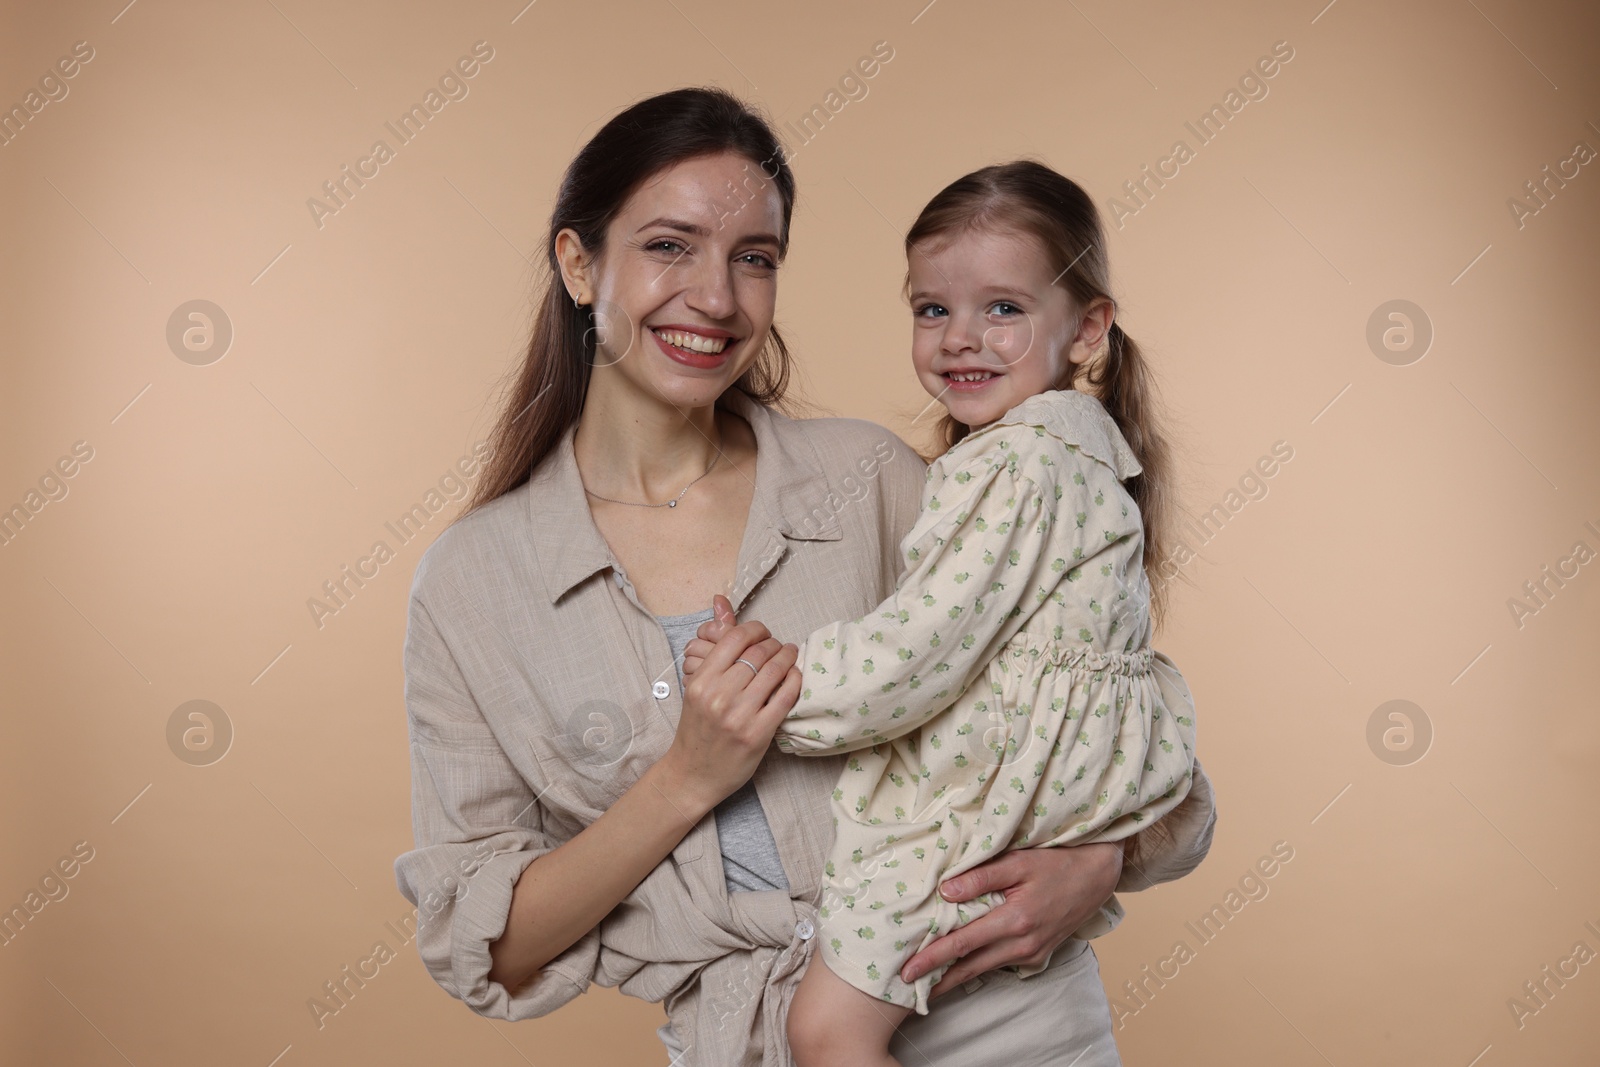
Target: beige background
point(1420, 498)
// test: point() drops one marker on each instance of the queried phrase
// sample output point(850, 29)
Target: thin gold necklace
point(669, 504)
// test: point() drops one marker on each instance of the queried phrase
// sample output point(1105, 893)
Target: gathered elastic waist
point(1064, 655)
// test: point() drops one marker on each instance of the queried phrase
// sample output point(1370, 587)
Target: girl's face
point(685, 285)
point(990, 327)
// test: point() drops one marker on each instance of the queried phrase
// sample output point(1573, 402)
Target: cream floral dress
point(1005, 696)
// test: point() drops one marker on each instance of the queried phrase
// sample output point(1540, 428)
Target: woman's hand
point(731, 711)
point(1050, 892)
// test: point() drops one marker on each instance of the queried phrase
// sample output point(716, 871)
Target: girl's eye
point(1004, 307)
point(929, 311)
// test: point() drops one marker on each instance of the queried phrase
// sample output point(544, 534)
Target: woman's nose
point(712, 291)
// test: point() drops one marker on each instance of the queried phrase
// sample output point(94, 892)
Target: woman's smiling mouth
point(693, 346)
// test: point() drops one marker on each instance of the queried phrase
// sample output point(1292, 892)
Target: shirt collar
point(1078, 419)
point(792, 501)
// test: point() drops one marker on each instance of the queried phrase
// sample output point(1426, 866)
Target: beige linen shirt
point(539, 688)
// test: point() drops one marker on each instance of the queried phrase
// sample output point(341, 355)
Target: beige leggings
point(1059, 1017)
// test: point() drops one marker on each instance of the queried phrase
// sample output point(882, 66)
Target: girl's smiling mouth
point(968, 381)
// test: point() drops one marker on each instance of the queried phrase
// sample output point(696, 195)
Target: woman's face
point(685, 285)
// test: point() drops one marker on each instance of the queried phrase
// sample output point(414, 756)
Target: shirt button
point(803, 929)
point(661, 690)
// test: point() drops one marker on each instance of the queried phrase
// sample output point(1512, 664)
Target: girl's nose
point(962, 334)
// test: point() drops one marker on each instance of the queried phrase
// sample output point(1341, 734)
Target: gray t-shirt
point(750, 860)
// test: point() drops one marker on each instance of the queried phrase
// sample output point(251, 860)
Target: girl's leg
point(834, 1024)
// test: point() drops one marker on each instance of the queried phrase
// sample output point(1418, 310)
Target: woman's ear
point(1093, 325)
point(574, 266)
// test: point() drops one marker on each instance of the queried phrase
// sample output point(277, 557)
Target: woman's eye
point(758, 259)
point(665, 244)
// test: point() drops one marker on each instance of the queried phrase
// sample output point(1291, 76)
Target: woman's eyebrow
point(677, 224)
point(698, 230)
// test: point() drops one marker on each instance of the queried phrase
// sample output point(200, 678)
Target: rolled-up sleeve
point(477, 825)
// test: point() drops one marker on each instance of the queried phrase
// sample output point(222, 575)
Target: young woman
point(579, 819)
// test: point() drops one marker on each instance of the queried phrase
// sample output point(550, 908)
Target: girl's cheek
point(1012, 342)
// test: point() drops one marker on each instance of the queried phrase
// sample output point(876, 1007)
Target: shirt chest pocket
point(592, 755)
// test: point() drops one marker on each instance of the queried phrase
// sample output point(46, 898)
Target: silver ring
point(747, 663)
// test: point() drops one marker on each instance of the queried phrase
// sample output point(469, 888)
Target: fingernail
point(951, 889)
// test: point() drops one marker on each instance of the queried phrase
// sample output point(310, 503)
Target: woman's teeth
point(692, 342)
point(971, 376)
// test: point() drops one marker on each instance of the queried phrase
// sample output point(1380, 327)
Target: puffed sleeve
point(477, 826)
point(1176, 843)
point(979, 561)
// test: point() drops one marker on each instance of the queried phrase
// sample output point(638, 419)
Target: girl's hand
point(1050, 892)
point(709, 634)
point(730, 712)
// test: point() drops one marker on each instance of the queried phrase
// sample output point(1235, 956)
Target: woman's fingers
point(732, 645)
point(694, 655)
point(765, 650)
point(979, 946)
point(713, 630)
point(720, 682)
point(1048, 892)
point(966, 968)
point(782, 700)
point(699, 649)
point(771, 660)
point(747, 633)
point(772, 674)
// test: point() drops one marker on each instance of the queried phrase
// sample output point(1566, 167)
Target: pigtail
point(1124, 385)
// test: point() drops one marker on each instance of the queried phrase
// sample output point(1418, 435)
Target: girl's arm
point(990, 547)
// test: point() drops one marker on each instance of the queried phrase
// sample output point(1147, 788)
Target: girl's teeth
point(974, 376)
point(693, 341)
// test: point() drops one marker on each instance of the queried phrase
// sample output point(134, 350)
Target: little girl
point(1006, 695)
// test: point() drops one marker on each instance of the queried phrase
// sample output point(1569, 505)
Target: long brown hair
point(544, 397)
point(1029, 198)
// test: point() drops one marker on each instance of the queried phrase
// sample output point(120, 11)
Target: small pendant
point(672, 503)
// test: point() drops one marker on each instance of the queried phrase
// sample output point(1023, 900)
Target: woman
point(578, 817)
